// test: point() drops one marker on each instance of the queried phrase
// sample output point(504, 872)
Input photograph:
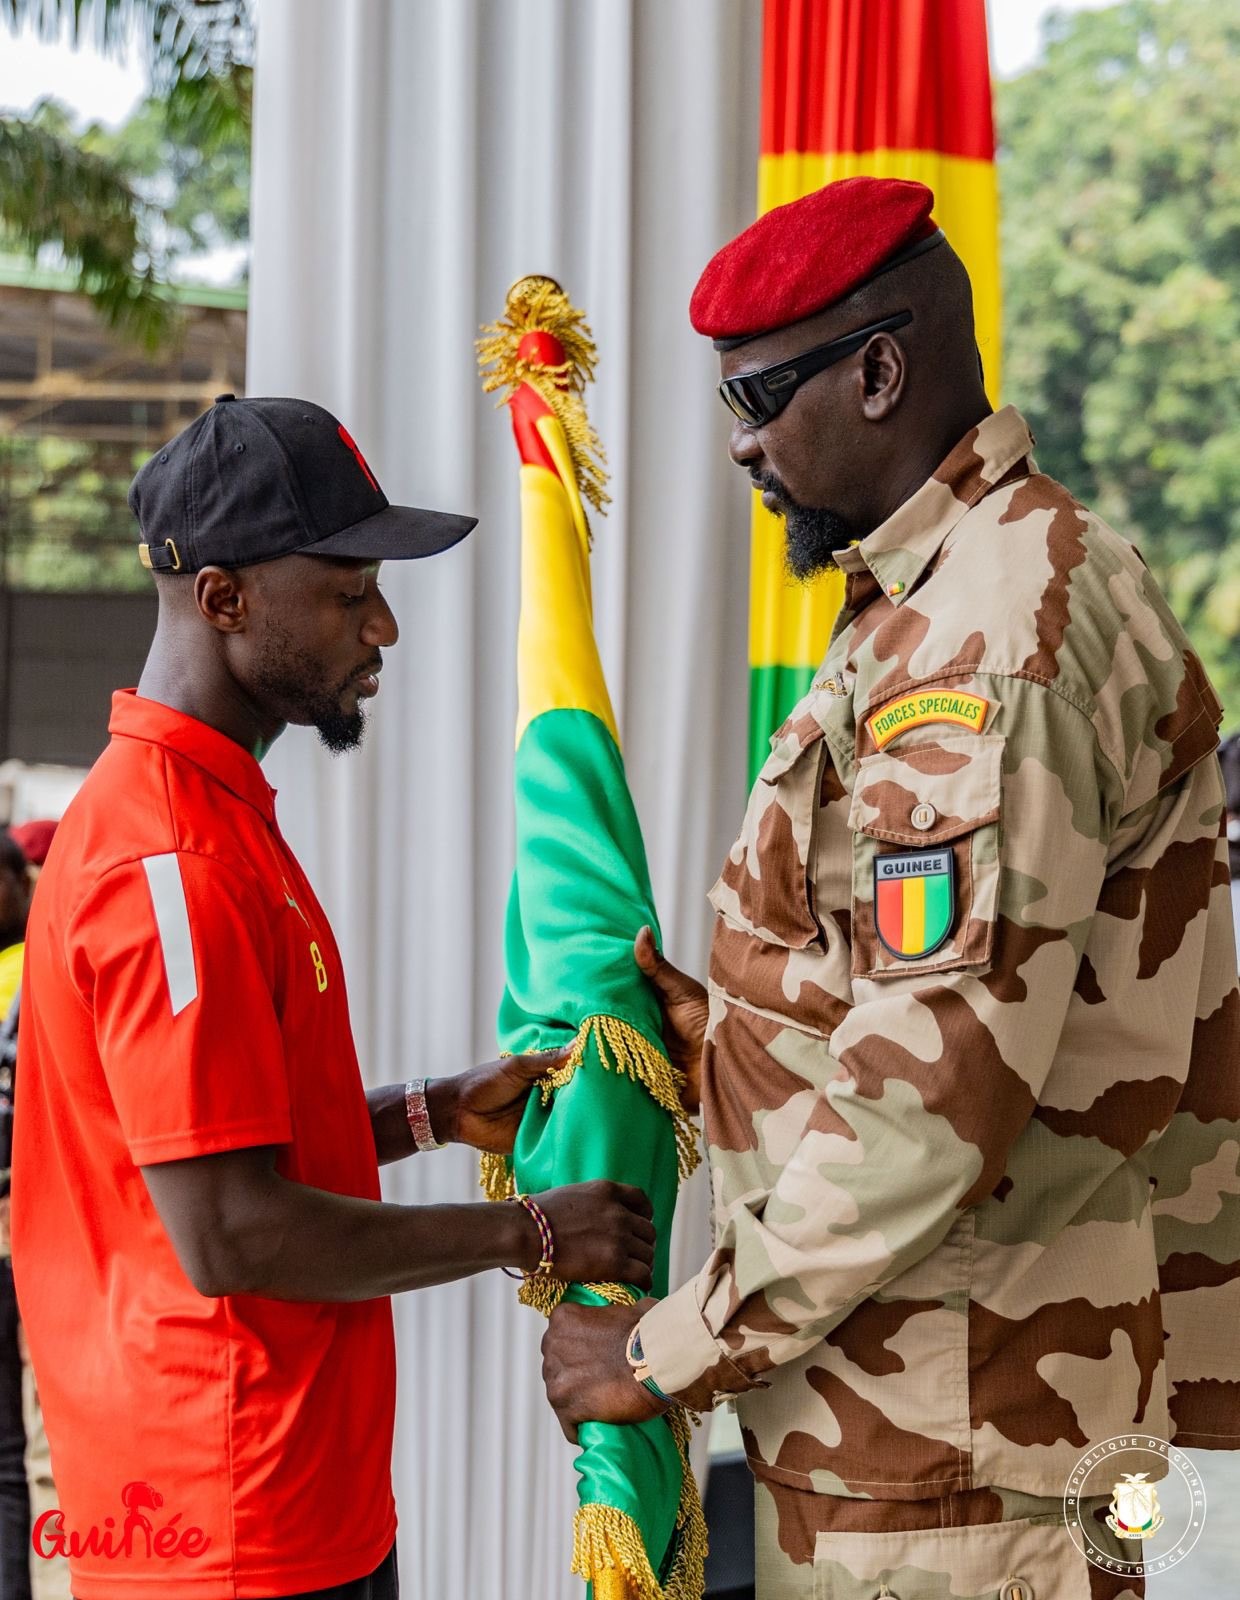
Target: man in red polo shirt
point(202, 1258)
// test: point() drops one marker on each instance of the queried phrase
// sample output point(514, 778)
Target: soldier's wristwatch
point(641, 1367)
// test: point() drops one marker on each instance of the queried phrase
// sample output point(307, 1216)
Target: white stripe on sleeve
point(163, 876)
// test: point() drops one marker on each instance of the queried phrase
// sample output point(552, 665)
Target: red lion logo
point(138, 1498)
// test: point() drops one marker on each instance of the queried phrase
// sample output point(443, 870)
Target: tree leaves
point(57, 193)
point(1120, 183)
point(91, 196)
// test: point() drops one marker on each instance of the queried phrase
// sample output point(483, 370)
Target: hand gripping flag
point(580, 893)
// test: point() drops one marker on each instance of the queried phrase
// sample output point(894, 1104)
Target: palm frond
point(182, 39)
point(52, 192)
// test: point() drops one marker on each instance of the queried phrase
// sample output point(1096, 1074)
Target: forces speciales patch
point(927, 705)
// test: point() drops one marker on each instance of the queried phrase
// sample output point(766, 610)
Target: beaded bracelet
point(543, 1269)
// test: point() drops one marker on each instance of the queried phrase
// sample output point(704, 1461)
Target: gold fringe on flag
point(608, 1550)
point(537, 304)
point(495, 1176)
point(621, 1048)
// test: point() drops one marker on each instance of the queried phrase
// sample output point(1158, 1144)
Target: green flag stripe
point(773, 691)
point(938, 907)
point(580, 892)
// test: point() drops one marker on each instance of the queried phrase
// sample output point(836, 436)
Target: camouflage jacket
point(974, 1137)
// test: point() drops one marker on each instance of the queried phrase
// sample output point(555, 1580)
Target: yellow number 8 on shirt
point(320, 971)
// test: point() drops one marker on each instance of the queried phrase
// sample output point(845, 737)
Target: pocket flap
point(928, 794)
point(789, 744)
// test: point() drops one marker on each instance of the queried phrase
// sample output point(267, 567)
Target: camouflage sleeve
point(1196, 1209)
point(938, 1064)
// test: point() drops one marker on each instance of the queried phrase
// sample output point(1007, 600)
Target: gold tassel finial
point(557, 367)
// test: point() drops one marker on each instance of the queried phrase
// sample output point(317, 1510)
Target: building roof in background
point(64, 371)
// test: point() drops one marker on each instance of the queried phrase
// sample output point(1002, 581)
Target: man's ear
point(221, 598)
point(884, 369)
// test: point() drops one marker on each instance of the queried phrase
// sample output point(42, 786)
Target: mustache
point(375, 664)
point(768, 483)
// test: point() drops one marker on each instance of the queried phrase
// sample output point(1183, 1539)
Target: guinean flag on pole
point(884, 89)
point(580, 893)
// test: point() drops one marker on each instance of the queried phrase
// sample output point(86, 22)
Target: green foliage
point(62, 506)
point(183, 40)
point(195, 193)
point(54, 190)
point(1120, 181)
point(121, 207)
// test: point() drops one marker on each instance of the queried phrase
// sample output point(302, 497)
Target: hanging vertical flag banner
point(580, 893)
point(885, 89)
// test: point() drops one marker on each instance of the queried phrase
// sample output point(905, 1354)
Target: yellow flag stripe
point(913, 936)
point(789, 623)
point(551, 432)
point(558, 666)
point(966, 207)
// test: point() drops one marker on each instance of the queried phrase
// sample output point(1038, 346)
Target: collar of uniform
point(134, 717)
point(900, 549)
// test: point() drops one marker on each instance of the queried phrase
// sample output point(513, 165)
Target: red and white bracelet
point(547, 1238)
point(419, 1117)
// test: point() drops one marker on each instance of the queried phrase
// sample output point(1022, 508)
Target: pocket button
point(923, 818)
point(1016, 1589)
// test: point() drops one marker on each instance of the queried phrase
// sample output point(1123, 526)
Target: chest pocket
point(925, 823)
point(765, 886)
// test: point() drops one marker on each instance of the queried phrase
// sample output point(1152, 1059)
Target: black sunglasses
point(756, 397)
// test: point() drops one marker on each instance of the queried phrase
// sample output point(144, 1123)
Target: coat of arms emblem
point(1134, 1512)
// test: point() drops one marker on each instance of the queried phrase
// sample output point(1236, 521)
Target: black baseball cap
point(251, 480)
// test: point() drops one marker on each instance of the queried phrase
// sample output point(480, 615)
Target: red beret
point(34, 839)
point(800, 258)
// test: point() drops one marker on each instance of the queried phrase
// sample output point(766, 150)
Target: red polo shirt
point(184, 995)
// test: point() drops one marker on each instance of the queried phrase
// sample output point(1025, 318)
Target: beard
point(812, 533)
point(339, 731)
point(285, 681)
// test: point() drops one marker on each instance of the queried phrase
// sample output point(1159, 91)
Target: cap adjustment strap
point(160, 558)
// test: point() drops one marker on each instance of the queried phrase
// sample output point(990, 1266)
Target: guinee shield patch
point(914, 901)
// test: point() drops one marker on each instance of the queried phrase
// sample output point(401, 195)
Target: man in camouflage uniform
point(971, 1072)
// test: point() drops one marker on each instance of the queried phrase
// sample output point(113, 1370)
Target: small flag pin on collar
point(894, 589)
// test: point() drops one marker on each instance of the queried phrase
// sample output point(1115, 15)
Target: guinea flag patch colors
point(914, 901)
point(927, 705)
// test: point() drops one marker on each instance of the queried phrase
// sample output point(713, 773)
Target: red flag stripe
point(526, 408)
point(889, 911)
point(850, 75)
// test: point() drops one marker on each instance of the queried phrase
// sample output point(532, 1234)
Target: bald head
point(940, 342)
point(857, 439)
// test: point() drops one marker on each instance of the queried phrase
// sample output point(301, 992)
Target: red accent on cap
point(361, 459)
point(34, 839)
point(800, 258)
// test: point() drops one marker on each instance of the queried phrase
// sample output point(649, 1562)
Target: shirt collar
point(134, 717)
point(900, 549)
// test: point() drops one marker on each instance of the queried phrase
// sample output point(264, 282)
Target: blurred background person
point(15, 889)
point(26, 1486)
point(15, 886)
